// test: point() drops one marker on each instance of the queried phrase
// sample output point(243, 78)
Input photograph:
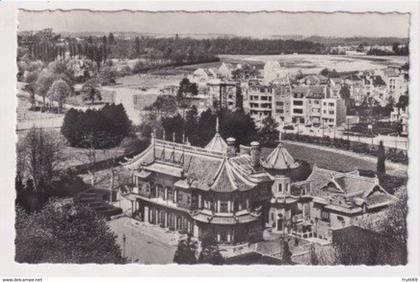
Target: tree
point(210, 251)
point(111, 39)
point(64, 232)
point(239, 125)
point(174, 126)
point(150, 122)
point(165, 105)
point(58, 92)
point(90, 91)
point(325, 72)
point(191, 125)
point(380, 166)
point(329, 73)
point(394, 223)
point(104, 128)
point(71, 126)
point(43, 84)
point(395, 47)
point(39, 154)
point(186, 87)
point(185, 252)
point(137, 45)
point(206, 128)
point(268, 132)
point(107, 75)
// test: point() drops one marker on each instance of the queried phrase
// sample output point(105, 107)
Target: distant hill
point(335, 41)
point(327, 41)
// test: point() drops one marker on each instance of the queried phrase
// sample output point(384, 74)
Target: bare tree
point(111, 157)
point(90, 157)
point(39, 155)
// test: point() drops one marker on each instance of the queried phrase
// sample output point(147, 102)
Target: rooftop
point(201, 168)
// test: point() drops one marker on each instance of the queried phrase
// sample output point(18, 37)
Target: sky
point(259, 24)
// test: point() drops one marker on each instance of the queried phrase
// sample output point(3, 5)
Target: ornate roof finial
point(164, 134)
point(217, 124)
point(173, 136)
point(183, 137)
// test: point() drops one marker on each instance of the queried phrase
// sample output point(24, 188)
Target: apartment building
point(333, 112)
point(260, 99)
point(281, 104)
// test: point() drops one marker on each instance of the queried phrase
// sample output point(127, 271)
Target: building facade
point(234, 196)
point(202, 191)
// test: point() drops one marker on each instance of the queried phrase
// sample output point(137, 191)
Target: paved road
point(140, 246)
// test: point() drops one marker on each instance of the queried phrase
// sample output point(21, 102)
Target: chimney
point(231, 151)
point(255, 154)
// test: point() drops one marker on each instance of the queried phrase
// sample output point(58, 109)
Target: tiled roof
point(378, 199)
point(316, 91)
point(238, 174)
point(300, 89)
point(280, 159)
point(320, 176)
point(217, 144)
point(360, 189)
point(199, 168)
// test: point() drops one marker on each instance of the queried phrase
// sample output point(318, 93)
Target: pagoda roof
point(199, 168)
point(217, 144)
point(280, 159)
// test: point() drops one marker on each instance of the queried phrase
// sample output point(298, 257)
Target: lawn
point(147, 81)
point(327, 159)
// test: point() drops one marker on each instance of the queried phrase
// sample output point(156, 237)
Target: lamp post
point(370, 127)
point(124, 241)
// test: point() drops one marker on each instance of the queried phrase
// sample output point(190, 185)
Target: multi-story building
point(235, 196)
point(301, 104)
point(285, 171)
point(327, 200)
point(333, 112)
point(400, 115)
point(260, 99)
point(298, 99)
point(313, 109)
point(395, 82)
point(202, 191)
point(281, 104)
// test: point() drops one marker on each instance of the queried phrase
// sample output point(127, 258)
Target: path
point(142, 246)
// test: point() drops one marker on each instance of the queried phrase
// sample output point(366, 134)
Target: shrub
point(125, 70)
point(288, 127)
point(360, 148)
